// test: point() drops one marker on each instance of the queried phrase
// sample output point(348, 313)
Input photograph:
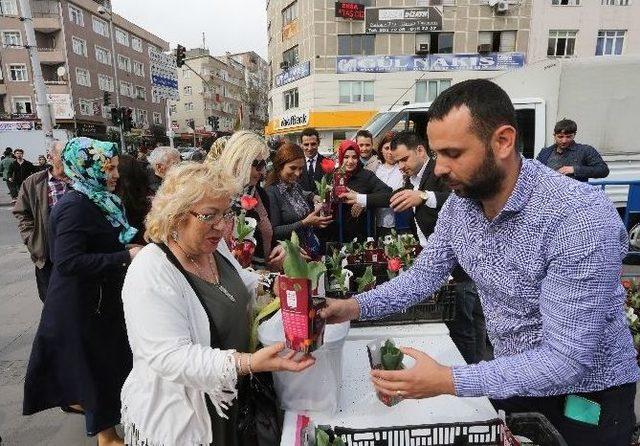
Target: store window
point(427, 91)
point(562, 43)
point(497, 41)
point(355, 91)
point(439, 43)
point(356, 44)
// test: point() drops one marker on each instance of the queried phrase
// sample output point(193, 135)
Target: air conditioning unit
point(502, 6)
point(423, 48)
point(284, 65)
point(484, 48)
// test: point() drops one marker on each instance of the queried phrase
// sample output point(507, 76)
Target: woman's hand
point(133, 250)
point(276, 258)
point(356, 210)
point(267, 359)
point(315, 220)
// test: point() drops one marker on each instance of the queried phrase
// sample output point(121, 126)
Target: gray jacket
point(32, 212)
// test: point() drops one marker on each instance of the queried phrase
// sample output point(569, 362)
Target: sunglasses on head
point(259, 164)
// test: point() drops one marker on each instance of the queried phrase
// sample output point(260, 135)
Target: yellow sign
point(289, 30)
point(348, 120)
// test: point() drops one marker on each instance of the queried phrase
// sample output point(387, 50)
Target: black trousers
point(617, 417)
point(42, 279)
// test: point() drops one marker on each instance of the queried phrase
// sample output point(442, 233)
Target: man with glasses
point(312, 160)
point(578, 161)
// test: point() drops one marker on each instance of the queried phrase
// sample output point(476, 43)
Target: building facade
point(333, 65)
point(256, 81)
point(84, 51)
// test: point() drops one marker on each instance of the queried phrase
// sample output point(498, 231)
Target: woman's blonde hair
point(185, 185)
point(241, 150)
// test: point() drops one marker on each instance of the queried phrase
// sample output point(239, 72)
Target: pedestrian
point(6, 162)
point(80, 355)
point(389, 172)
point(161, 159)
point(578, 161)
point(37, 196)
point(186, 312)
point(18, 172)
point(42, 164)
point(292, 208)
point(364, 140)
point(312, 170)
point(133, 190)
point(365, 191)
point(545, 253)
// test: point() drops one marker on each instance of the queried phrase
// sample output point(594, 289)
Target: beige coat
point(32, 212)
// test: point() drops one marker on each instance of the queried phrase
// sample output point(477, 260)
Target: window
point(83, 77)
point(154, 96)
point(291, 98)
point(126, 89)
point(122, 37)
point(124, 63)
point(565, 2)
point(290, 13)
point(499, 41)
point(427, 91)
point(103, 55)
point(561, 43)
point(439, 43)
point(610, 42)
point(157, 118)
point(86, 107)
point(141, 93)
point(291, 56)
point(188, 91)
point(173, 109)
point(138, 68)
point(356, 44)
point(76, 16)
point(100, 26)
point(79, 46)
point(188, 106)
point(136, 44)
point(8, 7)
point(616, 2)
point(106, 112)
point(355, 91)
point(18, 72)
point(21, 104)
point(141, 117)
point(11, 38)
point(105, 83)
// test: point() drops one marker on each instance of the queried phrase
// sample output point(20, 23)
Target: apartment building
point(333, 65)
point(83, 53)
point(232, 88)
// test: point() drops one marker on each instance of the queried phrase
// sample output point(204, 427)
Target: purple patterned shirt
point(56, 188)
point(548, 271)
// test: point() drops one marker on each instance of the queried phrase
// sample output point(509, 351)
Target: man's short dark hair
point(489, 105)
point(18, 150)
point(407, 138)
point(310, 131)
point(565, 126)
point(365, 134)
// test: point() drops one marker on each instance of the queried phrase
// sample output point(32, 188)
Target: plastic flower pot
point(243, 251)
point(303, 327)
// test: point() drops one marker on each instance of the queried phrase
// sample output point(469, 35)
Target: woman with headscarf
point(80, 356)
point(365, 190)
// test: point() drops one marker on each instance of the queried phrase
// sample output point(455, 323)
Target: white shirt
point(432, 202)
point(392, 177)
point(313, 162)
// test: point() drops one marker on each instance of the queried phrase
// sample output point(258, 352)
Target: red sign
point(352, 11)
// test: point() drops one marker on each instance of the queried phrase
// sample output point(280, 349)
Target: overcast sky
point(229, 25)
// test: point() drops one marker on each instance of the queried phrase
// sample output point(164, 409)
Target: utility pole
point(169, 123)
point(43, 108)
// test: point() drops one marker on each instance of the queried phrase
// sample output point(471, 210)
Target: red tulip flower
point(627, 284)
point(248, 202)
point(328, 166)
point(394, 264)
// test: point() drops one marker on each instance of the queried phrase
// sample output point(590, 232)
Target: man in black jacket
point(19, 171)
point(425, 193)
point(312, 171)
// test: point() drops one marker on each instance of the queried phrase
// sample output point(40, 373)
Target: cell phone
point(581, 409)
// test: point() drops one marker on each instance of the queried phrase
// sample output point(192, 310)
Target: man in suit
point(38, 194)
point(425, 193)
point(312, 171)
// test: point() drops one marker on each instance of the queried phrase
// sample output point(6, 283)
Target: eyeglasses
point(215, 218)
point(259, 164)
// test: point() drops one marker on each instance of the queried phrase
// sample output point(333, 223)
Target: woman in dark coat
point(80, 356)
point(366, 191)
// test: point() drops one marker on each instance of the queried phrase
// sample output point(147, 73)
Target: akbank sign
point(432, 62)
point(294, 119)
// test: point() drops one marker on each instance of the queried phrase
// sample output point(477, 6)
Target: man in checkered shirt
point(545, 253)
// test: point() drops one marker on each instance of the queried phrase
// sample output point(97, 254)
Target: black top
point(306, 181)
point(284, 218)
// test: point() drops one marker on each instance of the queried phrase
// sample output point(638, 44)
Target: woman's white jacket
point(163, 398)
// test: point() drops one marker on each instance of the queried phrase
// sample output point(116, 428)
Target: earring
point(174, 235)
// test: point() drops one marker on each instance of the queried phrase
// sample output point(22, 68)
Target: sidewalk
point(5, 198)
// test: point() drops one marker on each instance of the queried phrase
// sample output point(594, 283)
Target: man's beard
point(485, 182)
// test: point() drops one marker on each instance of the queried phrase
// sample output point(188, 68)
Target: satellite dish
point(61, 71)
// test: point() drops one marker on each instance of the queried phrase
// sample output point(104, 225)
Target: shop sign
point(289, 30)
point(61, 105)
point(351, 11)
point(403, 20)
point(294, 73)
point(6, 126)
point(432, 62)
point(294, 119)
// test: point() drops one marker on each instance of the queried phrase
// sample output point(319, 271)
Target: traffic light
point(116, 116)
point(106, 99)
point(127, 119)
point(181, 53)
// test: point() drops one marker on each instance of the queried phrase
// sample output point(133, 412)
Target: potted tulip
point(243, 245)
point(384, 355)
point(367, 281)
point(324, 186)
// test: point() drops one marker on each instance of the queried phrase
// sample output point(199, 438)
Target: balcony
point(46, 23)
point(3, 89)
point(51, 56)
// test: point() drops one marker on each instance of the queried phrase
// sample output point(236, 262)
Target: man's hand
point(566, 170)
point(406, 199)
point(349, 197)
point(340, 310)
point(425, 379)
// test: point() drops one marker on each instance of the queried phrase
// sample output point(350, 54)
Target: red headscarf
point(345, 145)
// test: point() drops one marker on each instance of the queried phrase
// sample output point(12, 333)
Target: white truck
point(602, 94)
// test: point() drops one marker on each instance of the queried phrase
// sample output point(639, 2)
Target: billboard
point(61, 106)
point(351, 11)
point(403, 20)
point(293, 74)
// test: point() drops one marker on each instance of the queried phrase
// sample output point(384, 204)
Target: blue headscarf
point(85, 162)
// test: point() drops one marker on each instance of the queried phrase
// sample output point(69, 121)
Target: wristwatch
point(424, 196)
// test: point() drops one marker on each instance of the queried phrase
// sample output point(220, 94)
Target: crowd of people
point(145, 316)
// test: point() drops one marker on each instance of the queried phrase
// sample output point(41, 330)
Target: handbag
point(259, 416)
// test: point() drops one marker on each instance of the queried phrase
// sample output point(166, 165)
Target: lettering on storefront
point(296, 119)
point(403, 20)
point(351, 11)
point(294, 73)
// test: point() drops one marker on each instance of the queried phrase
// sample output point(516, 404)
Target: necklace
point(216, 278)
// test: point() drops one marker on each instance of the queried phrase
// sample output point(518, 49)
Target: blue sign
point(162, 81)
point(431, 62)
point(293, 74)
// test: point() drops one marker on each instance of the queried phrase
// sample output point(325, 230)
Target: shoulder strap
point(215, 336)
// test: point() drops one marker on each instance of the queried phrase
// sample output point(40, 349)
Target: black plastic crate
point(441, 307)
point(536, 428)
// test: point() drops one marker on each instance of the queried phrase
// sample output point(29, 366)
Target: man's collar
point(421, 173)
point(571, 146)
point(522, 190)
